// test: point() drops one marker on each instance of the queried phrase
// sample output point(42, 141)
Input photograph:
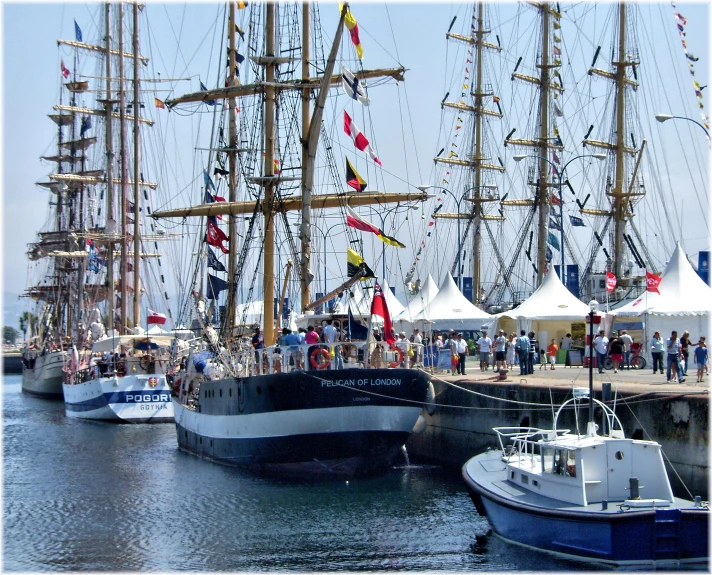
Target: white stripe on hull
point(299, 422)
point(129, 399)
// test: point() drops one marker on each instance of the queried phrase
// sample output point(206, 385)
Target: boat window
point(619, 455)
point(547, 458)
point(571, 464)
point(525, 479)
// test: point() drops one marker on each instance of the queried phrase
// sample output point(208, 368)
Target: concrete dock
point(469, 406)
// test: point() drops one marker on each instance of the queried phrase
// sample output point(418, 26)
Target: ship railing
point(336, 355)
point(524, 442)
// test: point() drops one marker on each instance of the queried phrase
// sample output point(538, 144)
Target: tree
point(27, 320)
point(9, 334)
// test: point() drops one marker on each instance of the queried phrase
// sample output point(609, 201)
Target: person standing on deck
point(533, 344)
point(701, 358)
point(673, 359)
point(657, 350)
point(485, 345)
point(258, 343)
point(628, 341)
point(500, 346)
point(615, 350)
point(461, 354)
point(522, 347)
point(600, 343)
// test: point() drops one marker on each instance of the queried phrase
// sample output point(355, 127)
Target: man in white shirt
point(418, 340)
point(331, 334)
point(404, 344)
point(627, 340)
point(600, 343)
point(566, 342)
point(500, 350)
point(461, 354)
point(485, 345)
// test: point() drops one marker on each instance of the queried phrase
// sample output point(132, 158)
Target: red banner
point(610, 281)
point(652, 281)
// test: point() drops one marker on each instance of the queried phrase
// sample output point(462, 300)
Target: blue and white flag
point(554, 224)
point(576, 221)
point(214, 262)
point(549, 254)
point(208, 102)
point(86, 126)
point(77, 32)
point(353, 87)
point(208, 182)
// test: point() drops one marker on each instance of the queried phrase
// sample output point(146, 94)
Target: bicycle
point(637, 361)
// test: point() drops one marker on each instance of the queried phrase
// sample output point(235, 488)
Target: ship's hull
point(127, 399)
point(42, 376)
point(666, 537)
point(335, 423)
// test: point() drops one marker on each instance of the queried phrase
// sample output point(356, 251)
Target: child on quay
point(701, 358)
point(551, 351)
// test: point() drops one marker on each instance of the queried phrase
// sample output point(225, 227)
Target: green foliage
point(9, 334)
point(471, 346)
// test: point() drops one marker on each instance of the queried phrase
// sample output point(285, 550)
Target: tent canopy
point(551, 301)
point(450, 309)
point(421, 299)
point(682, 292)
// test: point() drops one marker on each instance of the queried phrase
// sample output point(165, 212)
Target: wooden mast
point(305, 231)
point(123, 273)
point(477, 236)
point(542, 199)
point(110, 223)
point(267, 206)
point(137, 168)
point(231, 301)
point(619, 201)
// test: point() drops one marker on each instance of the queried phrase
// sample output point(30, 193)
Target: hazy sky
point(413, 34)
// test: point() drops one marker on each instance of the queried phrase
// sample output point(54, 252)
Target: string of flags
point(360, 141)
point(353, 220)
point(691, 59)
point(352, 27)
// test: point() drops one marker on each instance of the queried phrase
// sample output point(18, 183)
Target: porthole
point(619, 455)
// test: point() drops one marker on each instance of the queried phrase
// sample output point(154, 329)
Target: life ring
point(145, 362)
point(401, 356)
point(314, 356)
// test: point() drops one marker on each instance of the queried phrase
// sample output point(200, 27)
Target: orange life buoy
point(314, 356)
point(401, 356)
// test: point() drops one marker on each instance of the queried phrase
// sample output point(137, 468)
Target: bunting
point(379, 307)
point(65, 70)
point(208, 102)
point(215, 286)
point(681, 23)
point(215, 236)
point(353, 87)
point(77, 32)
point(554, 225)
point(554, 241)
point(159, 103)
point(652, 282)
point(354, 263)
point(352, 27)
point(610, 281)
point(214, 262)
point(576, 221)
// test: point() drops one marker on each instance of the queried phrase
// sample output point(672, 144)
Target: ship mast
point(305, 232)
point(110, 226)
point(123, 274)
point(137, 167)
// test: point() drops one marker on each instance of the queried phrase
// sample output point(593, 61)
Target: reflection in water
point(92, 496)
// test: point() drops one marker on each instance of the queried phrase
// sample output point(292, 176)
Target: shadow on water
point(88, 496)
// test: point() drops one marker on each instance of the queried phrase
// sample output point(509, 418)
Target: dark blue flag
point(215, 286)
point(208, 102)
point(554, 224)
point(549, 255)
point(77, 32)
point(356, 331)
point(575, 221)
point(208, 183)
point(86, 126)
point(214, 262)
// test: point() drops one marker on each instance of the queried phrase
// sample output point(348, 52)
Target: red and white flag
point(359, 139)
point(652, 282)
point(65, 70)
point(379, 307)
point(155, 317)
point(610, 281)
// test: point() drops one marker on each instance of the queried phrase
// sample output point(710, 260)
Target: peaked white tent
point(156, 330)
point(549, 312)
point(449, 309)
point(684, 303)
point(363, 305)
point(426, 294)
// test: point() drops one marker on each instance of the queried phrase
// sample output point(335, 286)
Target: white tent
point(421, 299)
point(156, 330)
point(684, 303)
point(548, 312)
point(361, 305)
point(449, 309)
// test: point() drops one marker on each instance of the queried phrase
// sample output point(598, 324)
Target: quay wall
point(12, 363)
point(461, 425)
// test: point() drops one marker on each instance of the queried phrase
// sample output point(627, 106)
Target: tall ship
point(93, 348)
point(256, 394)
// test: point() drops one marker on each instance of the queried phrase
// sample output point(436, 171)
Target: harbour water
point(83, 496)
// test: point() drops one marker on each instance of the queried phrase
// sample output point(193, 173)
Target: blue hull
point(650, 538)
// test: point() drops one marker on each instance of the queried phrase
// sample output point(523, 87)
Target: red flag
point(216, 237)
point(65, 70)
point(554, 200)
point(652, 281)
point(155, 317)
point(159, 103)
point(379, 307)
point(359, 139)
point(610, 281)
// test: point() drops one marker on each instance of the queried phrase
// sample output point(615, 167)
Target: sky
point(407, 134)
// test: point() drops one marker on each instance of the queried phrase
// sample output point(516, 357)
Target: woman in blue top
point(673, 358)
point(701, 355)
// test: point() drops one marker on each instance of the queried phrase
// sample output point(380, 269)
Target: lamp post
point(519, 158)
point(459, 237)
point(323, 235)
point(383, 229)
point(592, 305)
point(665, 117)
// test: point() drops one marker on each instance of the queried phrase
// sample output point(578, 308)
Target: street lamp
point(383, 229)
point(561, 171)
point(323, 235)
point(592, 305)
point(424, 188)
point(665, 117)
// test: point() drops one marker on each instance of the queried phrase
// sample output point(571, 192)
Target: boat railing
point(336, 355)
point(524, 441)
